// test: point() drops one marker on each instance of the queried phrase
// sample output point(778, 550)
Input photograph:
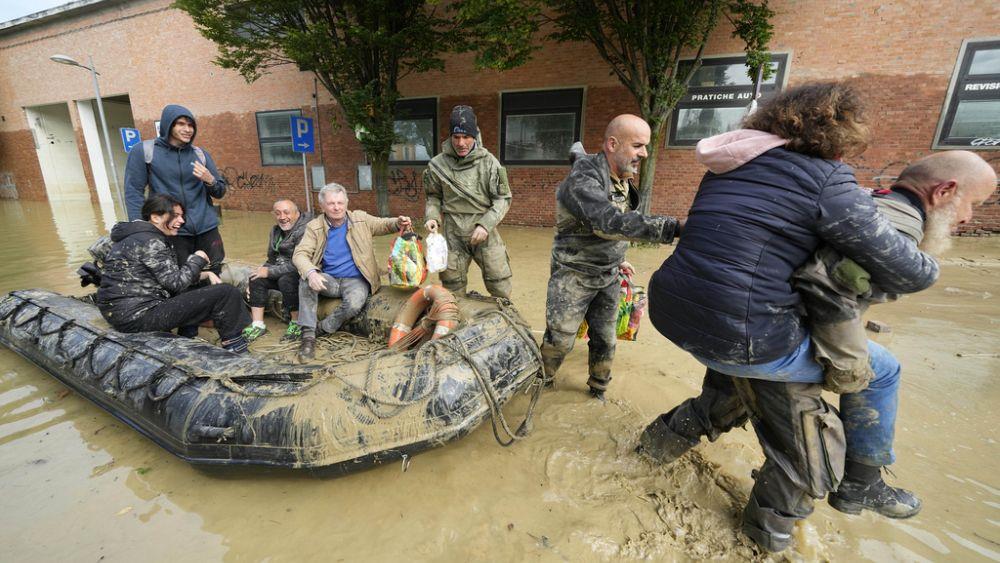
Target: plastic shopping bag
point(407, 268)
point(632, 304)
point(437, 253)
point(628, 325)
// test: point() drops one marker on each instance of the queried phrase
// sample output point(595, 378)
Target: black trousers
point(287, 284)
point(222, 303)
point(210, 242)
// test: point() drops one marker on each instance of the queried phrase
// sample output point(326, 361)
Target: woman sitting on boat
point(141, 288)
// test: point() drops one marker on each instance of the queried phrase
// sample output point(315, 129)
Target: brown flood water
point(77, 485)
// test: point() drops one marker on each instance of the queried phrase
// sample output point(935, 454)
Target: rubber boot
point(864, 489)
point(661, 443)
point(767, 527)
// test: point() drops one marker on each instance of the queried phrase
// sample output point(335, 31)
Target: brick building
point(931, 71)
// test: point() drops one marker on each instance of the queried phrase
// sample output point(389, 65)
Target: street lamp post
point(63, 59)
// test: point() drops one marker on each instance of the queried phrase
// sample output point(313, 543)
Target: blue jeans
point(869, 417)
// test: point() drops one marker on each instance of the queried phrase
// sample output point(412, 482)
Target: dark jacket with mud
point(172, 172)
point(472, 190)
point(726, 292)
point(141, 272)
point(596, 217)
point(281, 246)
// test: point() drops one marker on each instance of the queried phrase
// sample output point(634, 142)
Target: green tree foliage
point(643, 40)
point(358, 49)
point(640, 40)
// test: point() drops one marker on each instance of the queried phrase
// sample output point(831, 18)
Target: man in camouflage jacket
point(467, 190)
point(595, 220)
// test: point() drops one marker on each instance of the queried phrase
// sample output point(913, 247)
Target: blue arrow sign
point(302, 134)
point(130, 137)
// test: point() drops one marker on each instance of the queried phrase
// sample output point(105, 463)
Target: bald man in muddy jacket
point(596, 218)
point(467, 190)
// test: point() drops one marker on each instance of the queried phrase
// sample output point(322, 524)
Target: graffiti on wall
point(8, 190)
point(403, 184)
point(244, 180)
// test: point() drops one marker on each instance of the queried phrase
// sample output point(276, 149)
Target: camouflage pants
point(490, 256)
point(802, 437)
point(573, 297)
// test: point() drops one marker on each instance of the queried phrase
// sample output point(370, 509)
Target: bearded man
point(929, 199)
point(596, 218)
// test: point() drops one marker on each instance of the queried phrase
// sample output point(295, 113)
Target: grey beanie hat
point(463, 121)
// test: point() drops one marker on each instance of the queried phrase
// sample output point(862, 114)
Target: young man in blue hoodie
point(185, 172)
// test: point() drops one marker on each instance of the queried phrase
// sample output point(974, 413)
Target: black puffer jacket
point(281, 245)
point(141, 272)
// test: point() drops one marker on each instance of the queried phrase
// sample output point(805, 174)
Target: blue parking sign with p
point(302, 134)
point(130, 137)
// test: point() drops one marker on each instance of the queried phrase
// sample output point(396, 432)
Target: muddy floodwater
point(78, 485)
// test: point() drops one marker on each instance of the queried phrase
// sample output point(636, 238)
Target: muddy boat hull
point(209, 406)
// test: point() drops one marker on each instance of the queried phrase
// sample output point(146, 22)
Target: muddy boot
point(307, 349)
point(661, 443)
point(864, 489)
point(767, 527)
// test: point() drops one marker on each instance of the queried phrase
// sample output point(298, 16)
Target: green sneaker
point(293, 332)
point(252, 333)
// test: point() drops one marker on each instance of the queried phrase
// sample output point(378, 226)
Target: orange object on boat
point(443, 316)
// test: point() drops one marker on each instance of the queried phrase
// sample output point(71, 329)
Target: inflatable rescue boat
point(209, 406)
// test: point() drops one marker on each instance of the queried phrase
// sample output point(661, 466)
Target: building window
point(539, 127)
point(274, 132)
point(718, 96)
point(971, 116)
point(416, 131)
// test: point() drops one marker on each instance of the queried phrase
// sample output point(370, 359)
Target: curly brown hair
point(823, 119)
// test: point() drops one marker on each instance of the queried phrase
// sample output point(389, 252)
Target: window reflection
point(539, 137)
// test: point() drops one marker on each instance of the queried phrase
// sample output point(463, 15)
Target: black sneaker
point(852, 497)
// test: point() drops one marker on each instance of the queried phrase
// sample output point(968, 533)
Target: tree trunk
point(648, 169)
point(380, 182)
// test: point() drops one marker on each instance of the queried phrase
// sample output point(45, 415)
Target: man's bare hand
point(431, 225)
point(260, 272)
point(211, 277)
point(627, 270)
point(203, 174)
point(316, 281)
point(479, 235)
point(403, 223)
point(203, 255)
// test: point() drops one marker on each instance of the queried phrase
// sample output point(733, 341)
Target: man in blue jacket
point(178, 168)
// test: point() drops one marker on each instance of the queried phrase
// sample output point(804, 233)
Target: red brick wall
point(18, 158)
point(901, 53)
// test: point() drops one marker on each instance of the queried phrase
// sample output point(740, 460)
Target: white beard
point(937, 230)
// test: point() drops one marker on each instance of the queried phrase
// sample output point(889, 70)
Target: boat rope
point(497, 417)
point(90, 351)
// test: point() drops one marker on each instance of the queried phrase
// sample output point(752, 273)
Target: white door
point(58, 154)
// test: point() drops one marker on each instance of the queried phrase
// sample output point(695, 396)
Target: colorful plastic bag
point(407, 268)
point(437, 253)
point(632, 304)
point(628, 326)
